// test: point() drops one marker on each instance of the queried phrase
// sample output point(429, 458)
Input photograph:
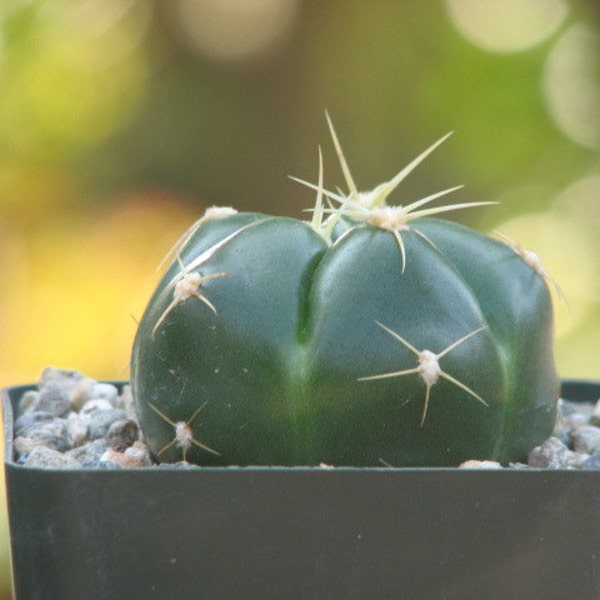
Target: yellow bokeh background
point(121, 120)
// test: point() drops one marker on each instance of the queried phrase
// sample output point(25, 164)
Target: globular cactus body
point(422, 345)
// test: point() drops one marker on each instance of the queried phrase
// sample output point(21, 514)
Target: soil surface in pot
point(74, 422)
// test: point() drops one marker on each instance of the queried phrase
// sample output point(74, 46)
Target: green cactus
point(371, 334)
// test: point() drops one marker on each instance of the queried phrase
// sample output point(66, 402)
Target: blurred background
point(121, 120)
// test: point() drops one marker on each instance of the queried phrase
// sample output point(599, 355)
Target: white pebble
point(480, 464)
point(77, 428)
point(106, 391)
point(89, 408)
point(24, 445)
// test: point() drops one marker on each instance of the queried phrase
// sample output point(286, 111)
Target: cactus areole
point(371, 334)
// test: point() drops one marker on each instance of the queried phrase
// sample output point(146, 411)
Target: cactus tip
point(372, 207)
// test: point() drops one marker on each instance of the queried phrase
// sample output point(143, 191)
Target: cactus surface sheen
point(371, 335)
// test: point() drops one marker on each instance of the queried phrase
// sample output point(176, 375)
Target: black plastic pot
point(304, 533)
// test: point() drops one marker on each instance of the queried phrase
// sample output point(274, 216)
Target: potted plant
point(328, 376)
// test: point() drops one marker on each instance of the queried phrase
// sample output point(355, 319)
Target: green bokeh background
point(121, 120)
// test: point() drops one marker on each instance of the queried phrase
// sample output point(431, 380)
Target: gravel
point(72, 422)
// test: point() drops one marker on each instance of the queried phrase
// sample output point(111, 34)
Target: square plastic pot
point(303, 533)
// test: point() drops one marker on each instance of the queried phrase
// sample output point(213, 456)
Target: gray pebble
point(100, 421)
point(31, 419)
point(66, 377)
point(93, 406)
point(592, 462)
point(28, 401)
point(125, 402)
point(121, 434)
point(47, 458)
point(573, 421)
point(552, 454)
point(43, 429)
point(55, 389)
point(55, 399)
point(568, 408)
point(51, 399)
point(576, 459)
point(90, 452)
point(595, 416)
point(587, 439)
point(562, 429)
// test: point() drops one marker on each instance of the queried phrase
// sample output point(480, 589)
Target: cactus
point(372, 334)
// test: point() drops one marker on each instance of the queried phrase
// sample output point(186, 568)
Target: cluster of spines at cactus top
point(372, 207)
point(375, 327)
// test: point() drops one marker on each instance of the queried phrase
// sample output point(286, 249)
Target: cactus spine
point(373, 333)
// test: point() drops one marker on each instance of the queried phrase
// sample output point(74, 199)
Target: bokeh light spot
point(572, 85)
point(235, 30)
point(565, 237)
point(506, 25)
point(76, 74)
point(77, 286)
point(582, 200)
